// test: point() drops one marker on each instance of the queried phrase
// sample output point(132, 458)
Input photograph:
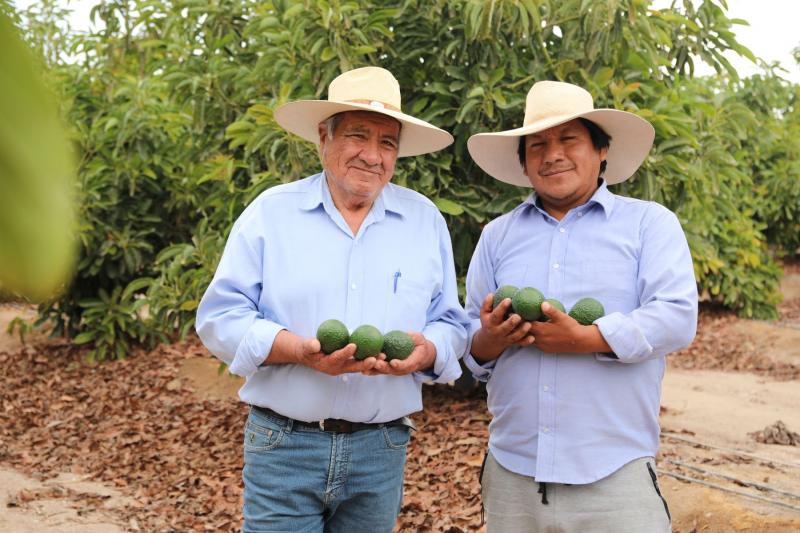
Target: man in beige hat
point(575, 405)
point(325, 440)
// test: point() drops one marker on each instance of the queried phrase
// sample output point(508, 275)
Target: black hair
point(600, 140)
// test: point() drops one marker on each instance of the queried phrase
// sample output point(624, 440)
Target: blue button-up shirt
point(292, 262)
point(576, 418)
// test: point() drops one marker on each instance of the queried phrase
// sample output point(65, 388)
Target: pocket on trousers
point(653, 476)
point(262, 438)
point(397, 437)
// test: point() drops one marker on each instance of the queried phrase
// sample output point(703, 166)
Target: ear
point(603, 153)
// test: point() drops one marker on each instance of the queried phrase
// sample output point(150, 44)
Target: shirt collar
point(316, 193)
point(319, 193)
point(602, 197)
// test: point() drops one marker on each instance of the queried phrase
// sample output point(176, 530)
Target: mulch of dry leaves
point(127, 423)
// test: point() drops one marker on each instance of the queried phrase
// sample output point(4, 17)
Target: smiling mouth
point(552, 173)
point(367, 171)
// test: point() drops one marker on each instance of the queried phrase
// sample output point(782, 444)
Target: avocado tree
point(170, 104)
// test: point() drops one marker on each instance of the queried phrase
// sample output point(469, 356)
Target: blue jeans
point(299, 479)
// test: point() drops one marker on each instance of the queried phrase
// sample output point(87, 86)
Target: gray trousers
point(627, 501)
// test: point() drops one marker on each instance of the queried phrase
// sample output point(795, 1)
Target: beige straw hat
point(548, 104)
point(363, 89)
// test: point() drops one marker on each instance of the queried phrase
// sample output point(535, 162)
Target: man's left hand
point(421, 358)
point(562, 333)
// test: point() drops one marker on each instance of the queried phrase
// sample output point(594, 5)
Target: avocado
point(332, 335)
point(586, 311)
point(506, 291)
point(527, 303)
point(397, 345)
point(555, 303)
point(368, 340)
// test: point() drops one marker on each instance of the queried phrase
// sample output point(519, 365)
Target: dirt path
point(54, 506)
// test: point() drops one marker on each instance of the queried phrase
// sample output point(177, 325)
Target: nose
point(370, 152)
point(553, 151)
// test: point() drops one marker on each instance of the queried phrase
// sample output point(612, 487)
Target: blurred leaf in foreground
point(36, 172)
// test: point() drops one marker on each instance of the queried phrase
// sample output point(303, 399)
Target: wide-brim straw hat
point(551, 103)
point(363, 89)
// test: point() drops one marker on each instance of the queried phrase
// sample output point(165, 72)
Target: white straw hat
point(363, 89)
point(548, 104)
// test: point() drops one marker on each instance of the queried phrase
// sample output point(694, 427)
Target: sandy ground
point(707, 416)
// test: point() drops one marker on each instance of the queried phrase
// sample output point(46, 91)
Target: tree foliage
point(170, 105)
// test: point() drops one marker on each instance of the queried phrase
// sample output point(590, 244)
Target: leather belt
point(332, 425)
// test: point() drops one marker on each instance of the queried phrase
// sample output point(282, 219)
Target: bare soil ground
point(152, 443)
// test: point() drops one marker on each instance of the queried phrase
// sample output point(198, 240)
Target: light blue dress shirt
point(576, 418)
point(292, 262)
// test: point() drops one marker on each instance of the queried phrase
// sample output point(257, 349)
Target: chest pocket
point(611, 282)
point(407, 303)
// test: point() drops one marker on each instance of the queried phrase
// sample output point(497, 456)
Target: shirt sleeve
point(480, 282)
point(229, 321)
point(446, 321)
point(666, 319)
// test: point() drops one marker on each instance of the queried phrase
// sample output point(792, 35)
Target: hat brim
point(631, 140)
point(417, 137)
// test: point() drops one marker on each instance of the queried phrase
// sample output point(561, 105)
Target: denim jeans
point(299, 479)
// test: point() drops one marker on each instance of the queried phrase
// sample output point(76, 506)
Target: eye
point(390, 144)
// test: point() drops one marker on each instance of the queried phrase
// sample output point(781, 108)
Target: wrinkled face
point(562, 164)
point(359, 159)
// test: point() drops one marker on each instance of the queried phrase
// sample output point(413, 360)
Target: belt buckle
point(322, 425)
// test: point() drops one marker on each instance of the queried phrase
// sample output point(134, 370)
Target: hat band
point(377, 104)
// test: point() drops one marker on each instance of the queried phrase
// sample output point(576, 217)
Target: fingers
point(498, 315)
point(486, 306)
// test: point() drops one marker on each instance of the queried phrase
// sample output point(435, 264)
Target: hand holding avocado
point(421, 357)
point(378, 350)
point(499, 327)
point(571, 332)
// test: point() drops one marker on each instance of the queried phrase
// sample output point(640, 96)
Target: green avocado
point(506, 291)
point(527, 303)
point(397, 345)
point(586, 311)
point(368, 340)
point(555, 303)
point(332, 335)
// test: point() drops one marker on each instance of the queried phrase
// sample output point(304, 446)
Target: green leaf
point(83, 338)
point(448, 206)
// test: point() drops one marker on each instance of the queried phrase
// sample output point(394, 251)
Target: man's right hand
point(498, 332)
point(309, 353)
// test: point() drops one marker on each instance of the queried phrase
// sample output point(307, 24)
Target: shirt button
point(555, 265)
point(580, 214)
point(546, 388)
point(561, 230)
point(344, 378)
point(353, 286)
point(545, 429)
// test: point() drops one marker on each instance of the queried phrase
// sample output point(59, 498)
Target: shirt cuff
point(445, 366)
point(481, 372)
point(254, 347)
point(625, 338)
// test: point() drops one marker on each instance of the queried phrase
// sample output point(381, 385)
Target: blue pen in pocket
point(396, 277)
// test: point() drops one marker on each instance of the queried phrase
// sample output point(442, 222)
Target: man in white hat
point(325, 441)
point(575, 407)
